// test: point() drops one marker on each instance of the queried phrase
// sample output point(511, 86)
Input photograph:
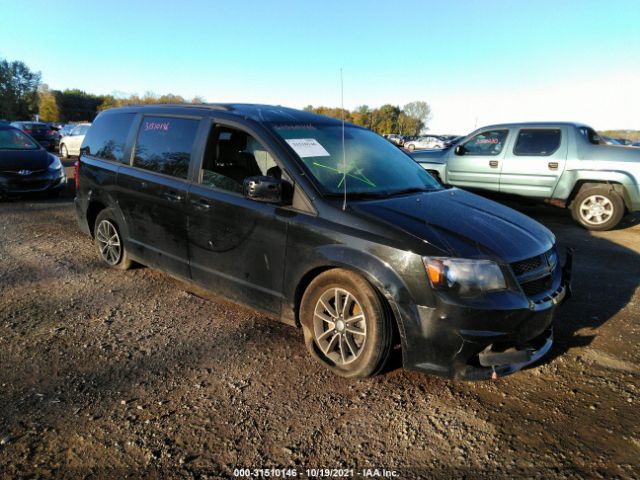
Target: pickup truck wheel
point(109, 242)
point(598, 208)
point(345, 325)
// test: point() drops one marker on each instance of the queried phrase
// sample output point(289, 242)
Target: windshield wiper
point(404, 191)
point(356, 195)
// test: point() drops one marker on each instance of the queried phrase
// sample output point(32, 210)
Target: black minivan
point(326, 226)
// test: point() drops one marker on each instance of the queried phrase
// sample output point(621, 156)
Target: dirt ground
point(108, 374)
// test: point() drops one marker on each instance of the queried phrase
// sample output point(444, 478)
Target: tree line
point(23, 95)
point(411, 119)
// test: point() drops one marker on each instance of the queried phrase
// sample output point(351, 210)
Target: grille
point(535, 287)
point(527, 265)
point(16, 174)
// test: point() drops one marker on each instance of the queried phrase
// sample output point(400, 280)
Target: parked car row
point(422, 142)
point(63, 139)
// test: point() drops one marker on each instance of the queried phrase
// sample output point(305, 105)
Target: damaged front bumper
point(461, 342)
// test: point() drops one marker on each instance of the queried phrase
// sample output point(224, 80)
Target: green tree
point(419, 110)
point(362, 116)
point(385, 119)
point(76, 105)
point(18, 90)
point(48, 106)
point(108, 101)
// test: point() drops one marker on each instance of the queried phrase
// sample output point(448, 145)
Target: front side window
point(540, 142)
point(233, 155)
point(164, 145)
point(106, 137)
point(14, 139)
point(490, 142)
point(366, 161)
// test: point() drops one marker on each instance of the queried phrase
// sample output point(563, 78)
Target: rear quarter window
point(537, 142)
point(164, 145)
point(107, 136)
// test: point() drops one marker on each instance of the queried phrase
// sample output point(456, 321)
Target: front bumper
point(13, 184)
point(472, 344)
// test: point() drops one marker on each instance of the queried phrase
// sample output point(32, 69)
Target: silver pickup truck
point(565, 164)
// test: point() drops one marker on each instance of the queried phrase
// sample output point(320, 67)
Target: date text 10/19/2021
point(314, 473)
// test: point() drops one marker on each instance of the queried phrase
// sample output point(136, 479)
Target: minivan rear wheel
point(598, 208)
point(345, 324)
point(108, 241)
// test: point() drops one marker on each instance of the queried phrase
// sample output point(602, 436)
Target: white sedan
point(428, 141)
point(70, 144)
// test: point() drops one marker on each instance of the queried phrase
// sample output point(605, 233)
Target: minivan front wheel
point(598, 208)
point(345, 324)
point(108, 241)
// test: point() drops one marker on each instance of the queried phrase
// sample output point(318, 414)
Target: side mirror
point(264, 189)
point(460, 150)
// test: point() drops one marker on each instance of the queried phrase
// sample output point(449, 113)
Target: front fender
point(377, 272)
point(439, 168)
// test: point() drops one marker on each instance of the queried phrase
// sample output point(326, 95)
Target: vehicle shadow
point(604, 278)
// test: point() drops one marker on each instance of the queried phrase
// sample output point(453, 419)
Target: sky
point(474, 62)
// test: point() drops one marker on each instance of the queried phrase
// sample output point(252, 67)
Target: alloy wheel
point(596, 209)
point(109, 242)
point(339, 325)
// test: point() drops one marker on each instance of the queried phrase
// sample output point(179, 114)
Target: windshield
point(374, 166)
point(12, 139)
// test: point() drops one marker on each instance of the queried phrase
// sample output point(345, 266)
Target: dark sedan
point(43, 133)
point(25, 166)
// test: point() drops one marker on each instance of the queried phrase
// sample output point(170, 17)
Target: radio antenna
point(344, 151)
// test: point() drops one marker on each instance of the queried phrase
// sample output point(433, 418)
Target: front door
point(237, 246)
point(479, 163)
point(534, 166)
point(152, 193)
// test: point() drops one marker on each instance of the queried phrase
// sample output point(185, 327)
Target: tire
point(107, 229)
point(64, 153)
point(598, 208)
point(411, 147)
point(355, 339)
point(53, 193)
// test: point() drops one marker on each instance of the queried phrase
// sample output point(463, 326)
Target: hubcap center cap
point(340, 326)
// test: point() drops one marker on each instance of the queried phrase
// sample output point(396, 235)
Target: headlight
point(54, 163)
point(463, 276)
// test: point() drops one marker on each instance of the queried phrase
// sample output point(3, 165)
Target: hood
point(462, 224)
point(15, 160)
point(431, 156)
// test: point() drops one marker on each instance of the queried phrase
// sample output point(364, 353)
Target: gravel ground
point(125, 374)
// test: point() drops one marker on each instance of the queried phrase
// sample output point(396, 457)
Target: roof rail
point(211, 106)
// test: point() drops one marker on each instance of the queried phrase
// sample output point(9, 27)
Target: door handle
point(173, 196)
point(201, 204)
point(553, 165)
point(493, 163)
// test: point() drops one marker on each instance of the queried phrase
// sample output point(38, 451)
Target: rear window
point(539, 142)
point(107, 136)
point(164, 145)
point(591, 135)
